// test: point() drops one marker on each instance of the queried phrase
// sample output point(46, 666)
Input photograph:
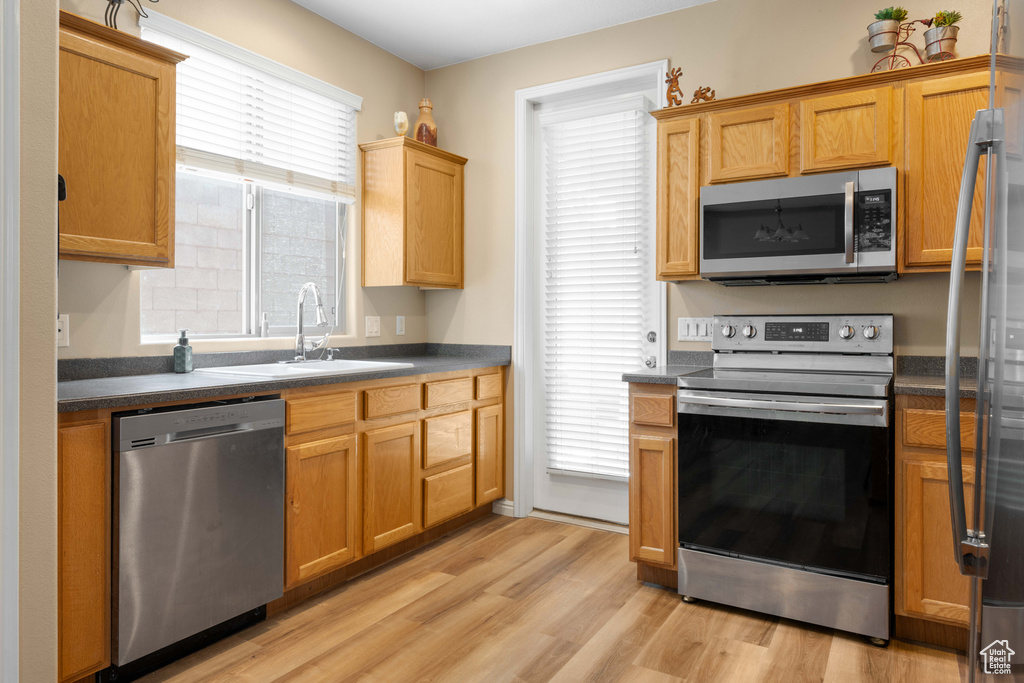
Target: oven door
point(839, 224)
point(800, 481)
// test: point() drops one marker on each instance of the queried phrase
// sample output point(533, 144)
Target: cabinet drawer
point(650, 409)
point(320, 412)
point(385, 401)
point(447, 494)
point(446, 438)
point(488, 386)
point(927, 429)
point(449, 391)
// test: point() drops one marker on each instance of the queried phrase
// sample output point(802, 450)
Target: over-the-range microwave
point(836, 227)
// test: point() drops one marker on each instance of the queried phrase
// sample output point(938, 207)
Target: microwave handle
point(851, 189)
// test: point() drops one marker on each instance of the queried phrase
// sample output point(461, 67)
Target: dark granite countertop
point(932, 385)
point(124, 391)
point(668, 374)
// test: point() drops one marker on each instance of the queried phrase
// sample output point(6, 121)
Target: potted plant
point(885, 32)
point(940, 39)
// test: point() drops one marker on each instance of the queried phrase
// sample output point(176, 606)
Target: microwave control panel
point(874, 220)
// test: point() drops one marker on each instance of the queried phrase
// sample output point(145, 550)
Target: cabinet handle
point(851, 189)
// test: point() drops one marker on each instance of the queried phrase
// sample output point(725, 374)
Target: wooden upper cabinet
point(749, 143)
point(83, 549)
point(846, 131)
point(116, 141)
point(412, 215)
point(678, 187)
point(391, 489)
point(939, 114)
point(933, 587)
point(321, 513)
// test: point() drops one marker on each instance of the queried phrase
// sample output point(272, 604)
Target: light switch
point(63, 331)
point(373, 326)
point(694, 329)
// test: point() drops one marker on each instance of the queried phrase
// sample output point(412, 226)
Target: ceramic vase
point(401, 123)
point(425, 129)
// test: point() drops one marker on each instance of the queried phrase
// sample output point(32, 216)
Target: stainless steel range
point(786, 470)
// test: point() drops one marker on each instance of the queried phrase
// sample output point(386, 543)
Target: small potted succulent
point(884, 33)
point(940, 39)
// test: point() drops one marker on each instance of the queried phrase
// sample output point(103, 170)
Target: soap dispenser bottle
point(183, 354)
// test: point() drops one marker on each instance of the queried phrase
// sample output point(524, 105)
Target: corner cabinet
point(914, 119)
point(116, 139)
point(412, 215)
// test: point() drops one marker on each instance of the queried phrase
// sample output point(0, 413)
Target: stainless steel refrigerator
point(988, 522)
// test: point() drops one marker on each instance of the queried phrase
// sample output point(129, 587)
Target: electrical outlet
point(400, 325)
point(373, 326)
point(694, 329)
point(63, 331)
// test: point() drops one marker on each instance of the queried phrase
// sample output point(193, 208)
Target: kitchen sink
point(309, 368)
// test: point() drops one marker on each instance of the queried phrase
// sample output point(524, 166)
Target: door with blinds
point(599, 310)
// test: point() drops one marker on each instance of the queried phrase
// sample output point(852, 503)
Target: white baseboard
point(503, 506)
point(580, 521)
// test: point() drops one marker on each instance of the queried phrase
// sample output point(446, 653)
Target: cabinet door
point(750, 143)
point(490, 449)
point(83, 548)
point(932, 585)
point(391, 492)
point(652, 491)
point(321, 511)
point(849, 130)
point(678, 222)
point(433, 232)
point(939, 114)
point(116, 141)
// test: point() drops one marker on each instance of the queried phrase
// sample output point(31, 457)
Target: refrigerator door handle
point(978, 144)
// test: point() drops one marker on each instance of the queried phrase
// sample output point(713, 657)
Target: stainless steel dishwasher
point(199, 520)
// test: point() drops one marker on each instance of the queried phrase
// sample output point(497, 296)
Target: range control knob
point(728, 331)
point(871, 332)
point(749, 331)
point(847, 332)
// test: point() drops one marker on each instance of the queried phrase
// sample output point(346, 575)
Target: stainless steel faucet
point(321, 321)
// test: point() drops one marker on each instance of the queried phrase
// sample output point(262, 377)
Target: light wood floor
point(531, 600)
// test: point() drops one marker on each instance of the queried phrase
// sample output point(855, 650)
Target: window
point(233, 263)
point(266, 171)
point(597, 287)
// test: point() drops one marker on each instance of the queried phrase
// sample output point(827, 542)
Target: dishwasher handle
point(150, 430)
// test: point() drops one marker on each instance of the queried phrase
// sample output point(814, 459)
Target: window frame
point(252, 235)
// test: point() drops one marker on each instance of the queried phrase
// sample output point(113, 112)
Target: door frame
point(10, 155)
point(642, 76)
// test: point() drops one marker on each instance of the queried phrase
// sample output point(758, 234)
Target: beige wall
point(103, 300)
point(38, 382)
point(736, 47)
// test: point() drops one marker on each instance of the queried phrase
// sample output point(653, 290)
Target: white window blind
point(595, 195)
point(243, 115)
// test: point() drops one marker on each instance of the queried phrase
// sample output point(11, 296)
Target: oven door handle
point(817, 411)
point(851, 190)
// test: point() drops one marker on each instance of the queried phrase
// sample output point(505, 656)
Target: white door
point(598, 310)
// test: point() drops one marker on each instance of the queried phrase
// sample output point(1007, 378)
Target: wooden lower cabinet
point(929, 585)
point(391, 492)
point(321, 512)
point(653, 536)
point(83, 547)
point(490, 463)
point(447, 494)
